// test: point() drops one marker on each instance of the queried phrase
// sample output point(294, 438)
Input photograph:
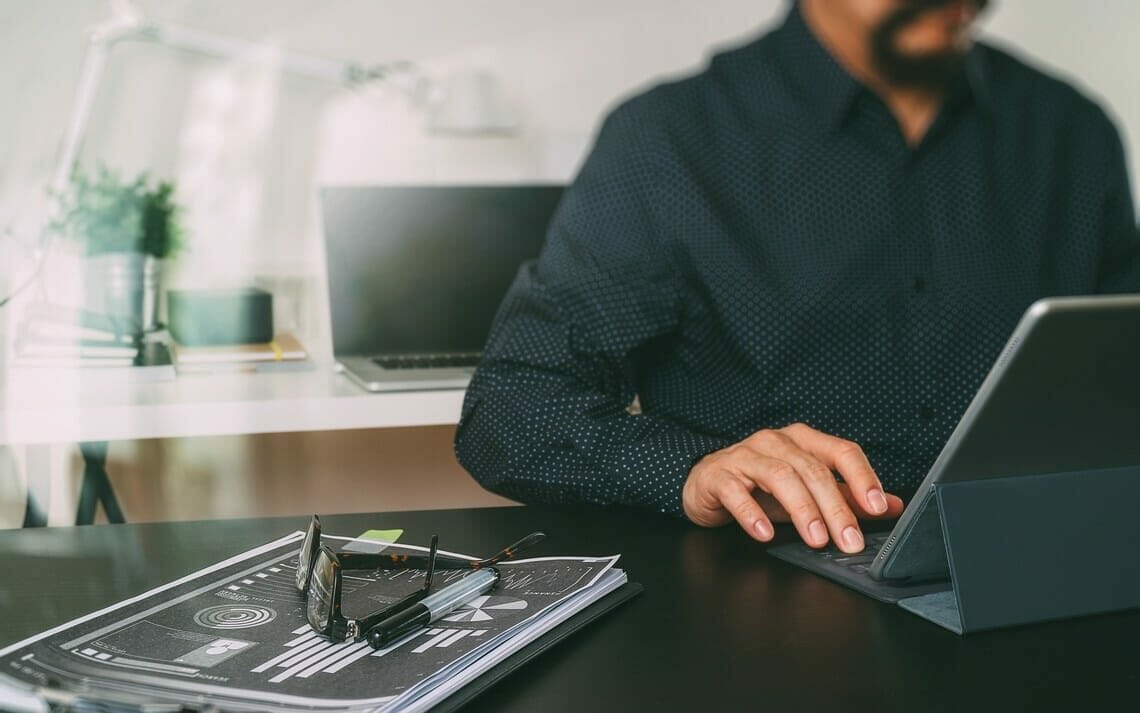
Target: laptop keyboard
point(427, 361)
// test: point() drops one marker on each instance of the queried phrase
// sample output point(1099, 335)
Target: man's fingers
point(848, 459)
point(781, 480)
point(789, 475)
point(820, 481)
point(895, 504)
point(736, 497)
point(776, 513)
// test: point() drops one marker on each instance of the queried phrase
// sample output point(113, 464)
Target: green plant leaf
point(108, 215)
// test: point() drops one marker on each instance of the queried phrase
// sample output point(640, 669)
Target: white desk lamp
point(465, 104)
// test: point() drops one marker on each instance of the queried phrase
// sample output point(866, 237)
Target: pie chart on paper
point(486, 608)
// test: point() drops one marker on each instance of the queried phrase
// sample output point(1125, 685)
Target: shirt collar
point(815, 75)
point(977, 81)
point(831, 90)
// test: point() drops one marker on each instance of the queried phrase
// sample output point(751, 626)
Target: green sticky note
point(373, 541)
point(381, 535)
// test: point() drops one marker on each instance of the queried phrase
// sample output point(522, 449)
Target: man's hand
point(789, 475)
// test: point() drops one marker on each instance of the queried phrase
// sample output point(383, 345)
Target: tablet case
point(1037, 548)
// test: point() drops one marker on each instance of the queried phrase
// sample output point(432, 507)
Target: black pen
point(433, 606)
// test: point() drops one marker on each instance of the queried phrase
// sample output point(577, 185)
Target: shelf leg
point(37, 465)
point(97, 486)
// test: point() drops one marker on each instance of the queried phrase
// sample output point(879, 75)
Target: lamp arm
point(94, 62)
point(128, 24)
point(222, 47)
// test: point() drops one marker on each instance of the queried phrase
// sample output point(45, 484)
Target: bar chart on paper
point(309, 654)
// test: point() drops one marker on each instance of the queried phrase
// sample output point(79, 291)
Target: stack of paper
point(235, 636)
point(51, 338)
point(56, 336)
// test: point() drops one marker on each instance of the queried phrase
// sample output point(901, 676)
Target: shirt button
point(919, 284)
point(926, 413)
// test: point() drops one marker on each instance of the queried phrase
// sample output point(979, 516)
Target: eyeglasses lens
point(319, 607)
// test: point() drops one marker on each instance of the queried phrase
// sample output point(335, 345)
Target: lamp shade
point(471, 103)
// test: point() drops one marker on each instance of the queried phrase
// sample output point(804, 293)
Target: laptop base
point(366, 374)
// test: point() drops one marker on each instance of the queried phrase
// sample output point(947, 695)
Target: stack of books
point(284, 353)
point(57, 337)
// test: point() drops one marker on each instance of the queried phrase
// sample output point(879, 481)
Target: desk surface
point(83, 406)
point(720, 626)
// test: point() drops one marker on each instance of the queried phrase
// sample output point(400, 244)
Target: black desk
point(720, 626)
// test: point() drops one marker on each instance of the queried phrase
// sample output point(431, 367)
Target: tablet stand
point(1036, 548)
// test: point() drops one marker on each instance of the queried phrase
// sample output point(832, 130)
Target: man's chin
point(948, 42)
point(927, 71)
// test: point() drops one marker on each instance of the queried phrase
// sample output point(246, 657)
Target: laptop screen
point(422, 269)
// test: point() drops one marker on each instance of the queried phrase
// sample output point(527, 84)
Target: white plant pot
point(125, 285)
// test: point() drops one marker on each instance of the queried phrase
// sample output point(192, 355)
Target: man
point(802, 263)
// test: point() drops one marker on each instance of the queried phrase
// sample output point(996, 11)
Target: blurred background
point(437, 92)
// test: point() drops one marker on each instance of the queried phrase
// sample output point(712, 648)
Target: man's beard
point(930, 70)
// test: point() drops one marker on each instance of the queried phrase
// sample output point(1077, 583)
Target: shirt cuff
point(652, 473)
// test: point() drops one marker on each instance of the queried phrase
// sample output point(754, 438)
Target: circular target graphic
point(486, 608)
point(230, 616)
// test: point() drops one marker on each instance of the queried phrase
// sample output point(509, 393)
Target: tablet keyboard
point(858, 562)
point(853, 570)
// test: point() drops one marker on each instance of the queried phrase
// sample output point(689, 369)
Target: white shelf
point(86, 406)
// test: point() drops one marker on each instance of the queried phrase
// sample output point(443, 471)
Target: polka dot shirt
point(757, 245)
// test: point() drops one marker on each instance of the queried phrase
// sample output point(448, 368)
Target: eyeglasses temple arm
point(510, 551)
point(431, 562)
point(378, 616)
point(372, 560)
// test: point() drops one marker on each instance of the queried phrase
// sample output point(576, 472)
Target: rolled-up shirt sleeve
point(547, 416)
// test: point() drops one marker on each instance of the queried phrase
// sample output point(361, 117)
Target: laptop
point(416, 275)
point(1064, 396)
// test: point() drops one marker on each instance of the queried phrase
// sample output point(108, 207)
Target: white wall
point(248, 144)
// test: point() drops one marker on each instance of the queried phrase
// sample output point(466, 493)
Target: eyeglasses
point(320, 579)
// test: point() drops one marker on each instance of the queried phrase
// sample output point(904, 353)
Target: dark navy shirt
point(758, 245)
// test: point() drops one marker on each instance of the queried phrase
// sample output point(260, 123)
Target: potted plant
point(124, 229)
